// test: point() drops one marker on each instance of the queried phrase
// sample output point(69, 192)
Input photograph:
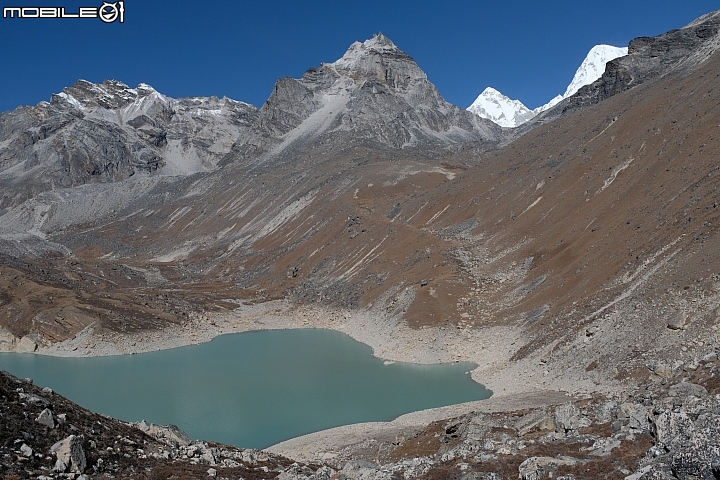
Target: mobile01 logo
point(108, 12)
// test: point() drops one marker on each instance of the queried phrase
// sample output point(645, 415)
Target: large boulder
point(70, 455)
point(536, 421)
point(568, 419)
point(46, 418)
point(538, 468)
point(169, 434)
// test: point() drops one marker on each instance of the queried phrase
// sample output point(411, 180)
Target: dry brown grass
point(426, 443)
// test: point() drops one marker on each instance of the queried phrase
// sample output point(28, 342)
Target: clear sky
point(529, 50)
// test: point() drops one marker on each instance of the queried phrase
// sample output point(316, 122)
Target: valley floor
point(517, 385)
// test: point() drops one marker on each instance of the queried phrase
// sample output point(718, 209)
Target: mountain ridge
point(495, 106)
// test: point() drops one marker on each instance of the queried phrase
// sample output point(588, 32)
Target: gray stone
point(26, 450)
point(538, 468)
point(361, 470)
point(207, 457)
point(60, 466)
point(568, 419)
point(660, 368)
point(606, 412)
point(296, 472)
point(481, 476)
point(324, 473)
point(537, 421)
point(636, 415)
point(46, 418)
point(687, 389)
point(710, 356)
point(32, 399)
point(70, 454)
point(169, 434)
point(604, 446)
point(677, 321)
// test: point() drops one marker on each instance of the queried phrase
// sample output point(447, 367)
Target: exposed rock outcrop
point(648, 58)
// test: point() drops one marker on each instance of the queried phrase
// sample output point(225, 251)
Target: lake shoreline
point(519, 385)
point(491, 348)
point(254, 389)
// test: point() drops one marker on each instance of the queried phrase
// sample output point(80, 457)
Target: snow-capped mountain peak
point(593, 66)
point(500, 109)
point(495, 106)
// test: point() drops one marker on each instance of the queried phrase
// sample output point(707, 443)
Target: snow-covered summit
point(500, 109)
point(593, 66)
point(495, 106)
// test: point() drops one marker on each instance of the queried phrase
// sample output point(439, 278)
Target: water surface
point(252, 389)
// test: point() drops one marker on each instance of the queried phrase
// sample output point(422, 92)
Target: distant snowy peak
point(498, 108)
point(593, 66)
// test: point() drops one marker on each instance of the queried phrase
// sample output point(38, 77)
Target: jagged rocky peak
point(138, 130)
point(379, 44)
point(110, 94)
point(379, 58)
point(375, 93)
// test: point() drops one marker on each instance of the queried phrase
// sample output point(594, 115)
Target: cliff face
point(651, 57)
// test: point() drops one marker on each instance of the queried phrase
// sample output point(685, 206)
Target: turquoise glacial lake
point(252, 389)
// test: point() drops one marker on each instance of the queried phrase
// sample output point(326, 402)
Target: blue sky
point(526, 49)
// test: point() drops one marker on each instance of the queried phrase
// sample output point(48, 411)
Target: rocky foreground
point(668, 428)
point(43, 435)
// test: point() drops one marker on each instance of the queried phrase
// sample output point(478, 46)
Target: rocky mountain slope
point(107, 133)
point(375, 94)
point(372, 101)
point(567, 254)
point(498, 108)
